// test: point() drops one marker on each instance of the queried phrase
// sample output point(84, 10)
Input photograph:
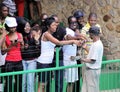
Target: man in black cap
point(93, 62)
point(79, 15)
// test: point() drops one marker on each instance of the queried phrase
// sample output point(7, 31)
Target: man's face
point(91, 35)
point(44, 17)
point(56, 20)
point(81, 20)
point(92, 20)
point(73, 23)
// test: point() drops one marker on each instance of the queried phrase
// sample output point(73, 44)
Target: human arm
point(84, 46)
point(21, 41)
point(49, 37)
point(88, 60)
point(77, 36)
point(3, 34)
point(4, 48)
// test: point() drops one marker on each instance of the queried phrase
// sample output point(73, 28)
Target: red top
point(14, 54)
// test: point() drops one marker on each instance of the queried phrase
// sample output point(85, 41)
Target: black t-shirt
point(59, 34)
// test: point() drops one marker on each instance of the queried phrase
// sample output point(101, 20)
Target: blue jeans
point(28, 78)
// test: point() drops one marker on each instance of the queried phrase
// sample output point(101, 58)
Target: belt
point(29, 59)
point(92, 68)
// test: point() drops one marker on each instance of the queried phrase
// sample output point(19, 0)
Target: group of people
point(32, 46)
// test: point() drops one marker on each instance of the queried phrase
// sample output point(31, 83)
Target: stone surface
point(113, 13)
point(118, 28)
point(116, 4)
point(89, 2)
point(105, 9)
point(109, 2)
point(116, 20)
point(101, 2)
point(110, 26)
point(106, 18)
point(118, 12)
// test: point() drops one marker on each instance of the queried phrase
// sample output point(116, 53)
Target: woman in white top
point(48, 43)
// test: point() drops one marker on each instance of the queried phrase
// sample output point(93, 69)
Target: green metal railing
point(109, 80)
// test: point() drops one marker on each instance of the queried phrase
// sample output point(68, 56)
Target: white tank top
point(47, 52)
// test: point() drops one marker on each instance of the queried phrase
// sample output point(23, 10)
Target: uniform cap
point(78, 14)
point(94, 30)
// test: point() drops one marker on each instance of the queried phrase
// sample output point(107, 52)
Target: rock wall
point(108, 12)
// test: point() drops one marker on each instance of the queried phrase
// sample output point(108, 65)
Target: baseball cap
point(11, 22)
point(94, 30)
point(78, 14)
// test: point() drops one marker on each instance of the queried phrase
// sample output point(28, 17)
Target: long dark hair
point(21, 21)
point(47, 23)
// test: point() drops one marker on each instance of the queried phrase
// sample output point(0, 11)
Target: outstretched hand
point(77, 42)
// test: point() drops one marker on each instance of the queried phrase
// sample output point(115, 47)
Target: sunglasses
point(75, 22)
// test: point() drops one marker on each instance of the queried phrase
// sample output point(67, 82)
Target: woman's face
point(4, 11)
point(34, 33)
point(53, 26)
point(27, 28)
point(12, 29)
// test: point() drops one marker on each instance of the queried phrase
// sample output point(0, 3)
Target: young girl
point(30, 52)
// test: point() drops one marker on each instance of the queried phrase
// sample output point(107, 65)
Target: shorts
point(44, 76)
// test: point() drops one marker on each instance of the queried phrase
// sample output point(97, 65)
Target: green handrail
point(54, 68)
point(51, 69)
point(57, 56)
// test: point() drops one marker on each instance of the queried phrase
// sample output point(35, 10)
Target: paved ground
point(114, 90)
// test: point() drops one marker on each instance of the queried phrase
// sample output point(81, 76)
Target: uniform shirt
point(96, 53)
